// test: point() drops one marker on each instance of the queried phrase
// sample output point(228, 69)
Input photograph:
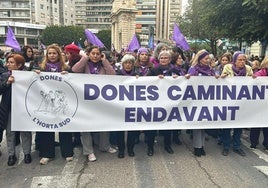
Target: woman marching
point(13, 62)
point(238, 67)
point(162, 70)
point(127, 70)
point(200, 67)
point(93, 63)
point(255, 132)
point(53, 62)
point(142, 68)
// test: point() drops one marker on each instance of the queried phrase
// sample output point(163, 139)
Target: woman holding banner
point(238, 67)
point(127, 70)
point(53, 62)
point(142, 67)
point(255, 132)
point(200, 67)
point(93, 63)
point(162, 70)
point(160, 47)
point(13, 62)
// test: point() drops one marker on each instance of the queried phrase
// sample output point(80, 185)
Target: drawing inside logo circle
point(54, 102)
point(51, 100)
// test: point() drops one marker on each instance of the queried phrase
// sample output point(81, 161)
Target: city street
point(181, 169)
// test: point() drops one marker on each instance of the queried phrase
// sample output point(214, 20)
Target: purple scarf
point(53, 67)
point(180, 70)
point(125, 73)
point(94, 68)
point(239, 72)
point(204, 70)
point(143, 70)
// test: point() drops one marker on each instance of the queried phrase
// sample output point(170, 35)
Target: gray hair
point(165, 52)
point(128, 57)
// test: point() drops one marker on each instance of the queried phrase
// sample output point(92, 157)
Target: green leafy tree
point(62, 35)
point(105, 37)
point(196, 26)
point(239, 20)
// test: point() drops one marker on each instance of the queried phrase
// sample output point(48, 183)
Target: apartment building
point(29, 17)
point(145, 19)
point(167, 12)
point(93, 14)
point(53, 12)
point(156, 16)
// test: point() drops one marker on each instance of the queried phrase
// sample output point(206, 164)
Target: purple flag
point(93, 39)
point(11, 40)
point(179, 38)
point(134, 44)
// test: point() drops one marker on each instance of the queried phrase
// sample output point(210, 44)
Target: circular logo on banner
point(51, 102)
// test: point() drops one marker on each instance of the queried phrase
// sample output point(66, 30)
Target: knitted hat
point(235, 55)
point(202, 55)
point(142, 50)
point(72, 48)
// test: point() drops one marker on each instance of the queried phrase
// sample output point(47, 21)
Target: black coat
point(161, 70)
point(5, 105)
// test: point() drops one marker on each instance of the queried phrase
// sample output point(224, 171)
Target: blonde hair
point(264, 63)
point(60, 58)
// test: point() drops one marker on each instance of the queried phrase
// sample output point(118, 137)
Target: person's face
point(65, 56)
point(224, 61)
point(205, 61)
point(95, 55)
point(128, 66)
point(12, 65)
point(52, 55)
point(179, 60)
point(164, 48)
point(144, 57)
point(164, 60)
point(241, 61)
point(29, 52)
point(254, 65)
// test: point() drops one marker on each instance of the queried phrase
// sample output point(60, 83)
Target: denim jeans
point(226, 138)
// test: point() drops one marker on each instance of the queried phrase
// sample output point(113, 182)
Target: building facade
point(93, 14)
point(15, 10)
point(167, 11)
point(29, 17)
point(26, 33)
point(53, 12)
point(123, 18)
point(145, 19)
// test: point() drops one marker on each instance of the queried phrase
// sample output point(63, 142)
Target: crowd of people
point(162, 61)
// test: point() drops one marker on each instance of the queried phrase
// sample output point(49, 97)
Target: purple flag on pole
point(11, 40)
point(179, 38)
point(134, 44)
point(93, 39)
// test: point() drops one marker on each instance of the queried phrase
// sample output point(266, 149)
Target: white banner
point(82, 102)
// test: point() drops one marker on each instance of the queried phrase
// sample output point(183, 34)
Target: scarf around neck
point(53, 67)
point(180, 70)
point(204, 70)
point(239, 72)
point(125, 73)
point(94, 68)
point(143, 69)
